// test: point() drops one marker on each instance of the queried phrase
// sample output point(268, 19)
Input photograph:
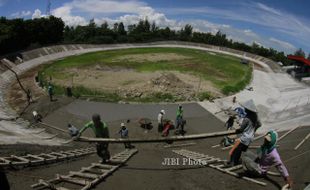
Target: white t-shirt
point(160, 118)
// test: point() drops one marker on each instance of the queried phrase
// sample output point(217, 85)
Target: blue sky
point(281, 24)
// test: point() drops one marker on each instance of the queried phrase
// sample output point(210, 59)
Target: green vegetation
point(224, 72)
point(18, 34)
point(205, 96)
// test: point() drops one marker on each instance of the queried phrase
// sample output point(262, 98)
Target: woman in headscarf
point(267, 157)
point(247, 130)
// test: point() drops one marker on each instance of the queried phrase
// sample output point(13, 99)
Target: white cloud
point(36, 14)
point(133, 12)
point(21, 14)
point(78, 12)
point(283, 43)
point(108, 6)
point(268, 9)
point(259, 14)
point(66, 15)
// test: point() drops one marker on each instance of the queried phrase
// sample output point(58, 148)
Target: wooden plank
point(154, 140)
point(234, 168)
point(238, 176)
point(84, 175)
point(5, 161)
point(74, 181)
point(53, 127)
point(258, 146)
point(302, 142)
point(178, 145)
point(35, 156)
point(91, 179)
point(227, 170)
point(103, 166)
point(20, 158)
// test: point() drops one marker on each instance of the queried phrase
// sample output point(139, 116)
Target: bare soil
point(129, 83)
point(17, 98)
point(153, 57)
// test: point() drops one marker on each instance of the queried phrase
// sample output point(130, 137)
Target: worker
point(37, 117)
point(268, 156)
point(160, 121)
point(100, 130)
point(167, 126)
point(247, 130)
point(73, 131)
point(124, 134)
point(50, 90)
point(179, 118)
point(230, 122)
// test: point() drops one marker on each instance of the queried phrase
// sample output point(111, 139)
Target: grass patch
point(205, 96)
point(223, 71)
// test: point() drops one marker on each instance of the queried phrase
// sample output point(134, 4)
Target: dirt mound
point(169, 80)
point(161, 84)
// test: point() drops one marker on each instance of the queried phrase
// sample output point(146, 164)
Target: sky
point(281, 24)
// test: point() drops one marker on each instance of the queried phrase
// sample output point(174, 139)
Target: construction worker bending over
point(268, 156)
point(101, 131)
point(124, 134)
point(247, 130)
point(73, 131)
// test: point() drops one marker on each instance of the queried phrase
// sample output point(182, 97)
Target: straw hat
point(250, 105)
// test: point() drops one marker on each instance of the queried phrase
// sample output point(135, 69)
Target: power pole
point(48, 8)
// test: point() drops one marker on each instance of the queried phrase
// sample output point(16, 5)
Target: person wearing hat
point(160, 121)
point(100, 130)
point(247, 130)
point(37, 117)
point(124, 134)
point(267, 157)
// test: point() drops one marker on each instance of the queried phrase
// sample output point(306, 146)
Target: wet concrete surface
point(145, 169)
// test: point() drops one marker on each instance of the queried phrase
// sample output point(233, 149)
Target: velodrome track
point(145, 170)
point(282, 102)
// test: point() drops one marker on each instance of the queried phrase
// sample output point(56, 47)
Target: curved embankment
point(34, 58)
point(282, 102)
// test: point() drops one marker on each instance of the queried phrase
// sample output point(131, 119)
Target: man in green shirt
point(50, 90)
point(179, 116)
point(101, 131)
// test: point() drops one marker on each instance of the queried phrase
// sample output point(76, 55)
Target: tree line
point(19, 34)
